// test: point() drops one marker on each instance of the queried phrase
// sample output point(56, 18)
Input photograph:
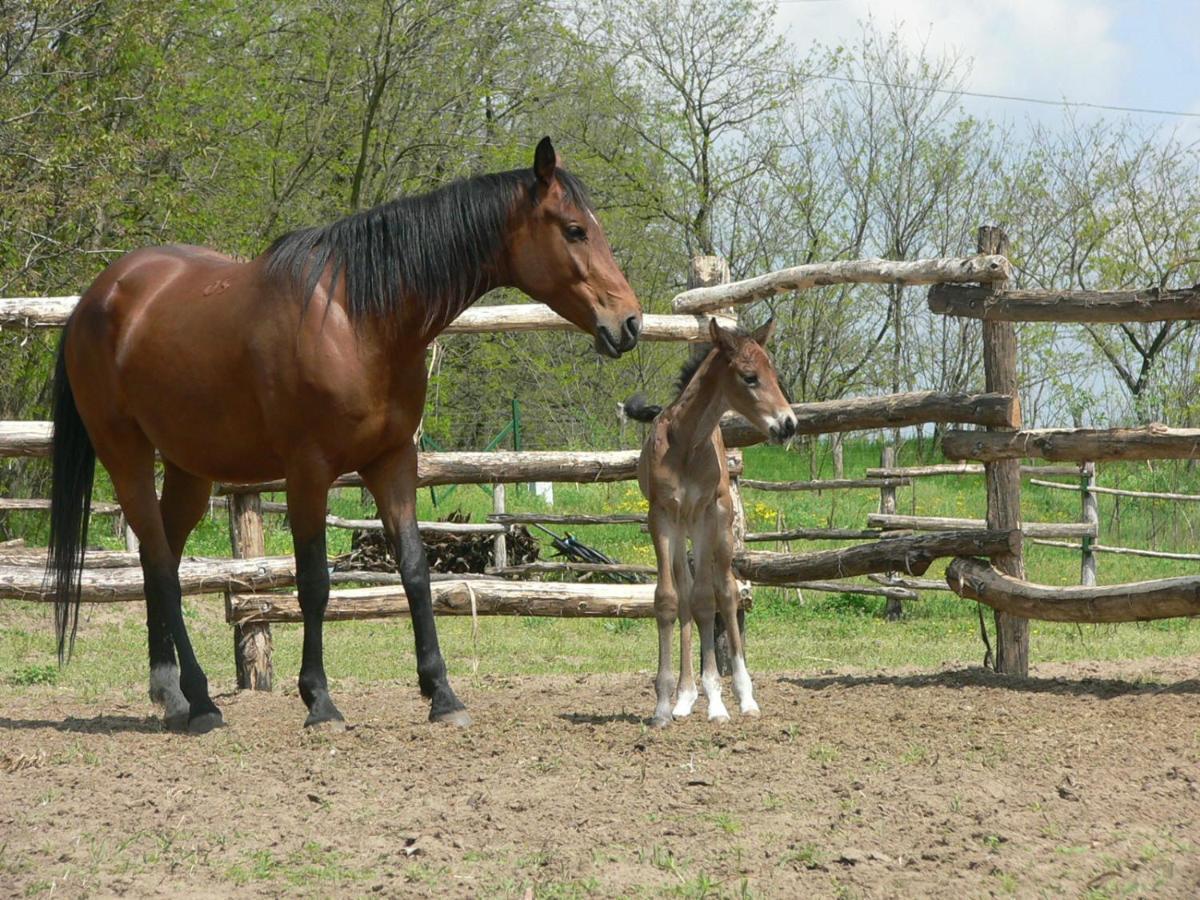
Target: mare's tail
point(638, 409)
point(70, 506)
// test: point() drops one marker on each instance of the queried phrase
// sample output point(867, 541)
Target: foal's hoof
point(203, 723)
point(457, 717)
point(660, 721)
point(751, 709)
point(719, 719)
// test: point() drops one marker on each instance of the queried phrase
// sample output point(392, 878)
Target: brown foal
point(305, 362)
point(684, 475)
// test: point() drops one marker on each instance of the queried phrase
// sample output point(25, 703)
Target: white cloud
point(1051, 49)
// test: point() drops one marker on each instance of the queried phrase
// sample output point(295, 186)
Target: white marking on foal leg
point(712, 690)
point(742, 688)
point(164, 690)
point(686, 701)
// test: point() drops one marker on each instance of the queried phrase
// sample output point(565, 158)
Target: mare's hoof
point(660, 721)
point(204, 722)
point(457, 717)
point(177, 722)
point(332, 726)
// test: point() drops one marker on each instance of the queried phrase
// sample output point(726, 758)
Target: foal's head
point(559, 255)
point(749, 381)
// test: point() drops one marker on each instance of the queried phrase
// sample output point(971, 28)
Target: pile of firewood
point(450, 553)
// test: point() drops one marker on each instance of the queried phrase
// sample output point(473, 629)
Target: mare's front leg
point(307, 497)
point(392, 480)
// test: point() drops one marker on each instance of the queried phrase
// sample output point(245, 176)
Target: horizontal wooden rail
point(832, 484)
point(507, 466)
point(566, 519)
point(937, 471)
point(52, 312)
point(425, 527)
point(812, 534)
point(910, 555)
point(844, 587)
point(1118, 492)
point(1150, 442)
point(1151, 305)
point(851, 271)
point(889, 522)
point(1122, 551)
point(21, 504)
point(483, 596)
point(1140, 601)
point(550, 567)
point(912, 584)
point(887, 411)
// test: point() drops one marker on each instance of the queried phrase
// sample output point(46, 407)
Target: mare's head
point(749, 381)
point(558, 254)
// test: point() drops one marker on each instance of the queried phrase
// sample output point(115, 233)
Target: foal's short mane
point(692, 364)
point(431, 248)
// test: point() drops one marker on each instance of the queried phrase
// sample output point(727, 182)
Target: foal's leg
point(392, 480)
point(666, 607)
point(727, 598)
point(184, 501)
point(307, 498)
point(129, 459)
point(704, 610)
point(686, 699)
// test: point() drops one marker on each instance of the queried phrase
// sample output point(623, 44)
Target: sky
point(1135, 53)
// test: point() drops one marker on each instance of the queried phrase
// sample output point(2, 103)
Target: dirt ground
point(1083, 781)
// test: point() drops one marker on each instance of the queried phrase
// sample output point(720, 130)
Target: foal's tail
point(638, 409)
point(70, 506)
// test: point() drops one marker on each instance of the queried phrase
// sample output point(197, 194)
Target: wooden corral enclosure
point(897, 553)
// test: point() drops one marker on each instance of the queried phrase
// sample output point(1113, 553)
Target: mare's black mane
point(431, 248)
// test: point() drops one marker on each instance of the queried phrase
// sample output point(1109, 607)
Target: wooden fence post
point(1004, 477)
point(1090, 516)
point(892, 611)
point(252, 641)
point(499, 544)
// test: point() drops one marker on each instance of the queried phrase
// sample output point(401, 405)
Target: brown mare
point(304, 363)
point(684, 475)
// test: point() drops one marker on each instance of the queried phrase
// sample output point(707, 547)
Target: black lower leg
point(312, 582)
point(162, 592)
point(431, 668)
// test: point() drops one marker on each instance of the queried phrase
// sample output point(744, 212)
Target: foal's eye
point(576, 233)
point(751, 380)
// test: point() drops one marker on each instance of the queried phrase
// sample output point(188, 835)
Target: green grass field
point(786, 632)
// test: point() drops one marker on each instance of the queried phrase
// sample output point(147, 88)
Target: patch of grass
point(823, 753)
point(726, 822)
point(35, 674)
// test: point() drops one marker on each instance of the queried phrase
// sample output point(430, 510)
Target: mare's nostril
point(633, 325)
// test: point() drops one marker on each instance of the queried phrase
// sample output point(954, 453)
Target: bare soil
point(1082, 781)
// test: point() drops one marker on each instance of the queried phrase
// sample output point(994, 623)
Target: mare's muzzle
point(613, 346)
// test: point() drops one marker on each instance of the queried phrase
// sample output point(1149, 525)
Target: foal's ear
point(763, 334)
point(545, 161)
point(725, 341)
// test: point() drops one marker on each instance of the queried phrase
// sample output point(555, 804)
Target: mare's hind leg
point(129, 459)
point(184, 501)
point(392, 480)
point(307, 498)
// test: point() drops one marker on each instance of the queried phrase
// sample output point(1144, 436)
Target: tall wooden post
point(1004, 477)
point(499, 544)
point(251, 642)
point(1090, 515)
point(706, 271)
point(892, 611)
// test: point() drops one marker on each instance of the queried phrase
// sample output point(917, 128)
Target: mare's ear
point(763, 334)
point(545, 162)
point(725, 341)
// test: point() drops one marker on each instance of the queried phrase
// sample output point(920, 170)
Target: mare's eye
point(576, 233)
point(751, 380)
